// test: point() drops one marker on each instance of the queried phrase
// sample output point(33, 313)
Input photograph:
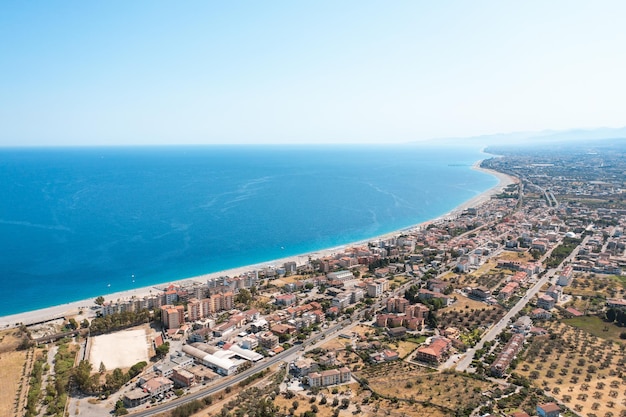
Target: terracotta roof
point(549, 407)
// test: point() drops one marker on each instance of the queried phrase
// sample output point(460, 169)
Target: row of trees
point(56, 389)
point(89, 383)
point(616, 315)
point(562, 251)
point(117, 321)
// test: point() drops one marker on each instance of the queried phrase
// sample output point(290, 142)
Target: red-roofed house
point(548, 410)
point(435, 351)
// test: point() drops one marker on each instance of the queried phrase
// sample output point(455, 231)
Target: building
point(329, 377)
point(522, 325)
point(616, 302)
point(508, 290)
point(250, 342)
point(555, 292)
point(194, 310)
point(565, 277)
point(397, 305)
point(548, 410)
point(259, 326)
point(135, 397)
point(224, 329)
point(183, 378)
point(172, 317)
point(374, 289)
point(219, 361)
point(356, 295)
point(435, 351)
point(340, 276)
point(286, 299)
point(546, 302)
point(341, 301)
point(480, 293)
point(268, 340)
point(157, 385)
point(541, 314)
point(504, 359)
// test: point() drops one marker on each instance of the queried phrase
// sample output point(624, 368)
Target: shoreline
point(76, 307)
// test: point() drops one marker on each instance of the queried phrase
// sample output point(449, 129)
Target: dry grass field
point(361, 330)
point(445, 390)
point(583, 371)
point(405, 348)
point(336, 343)
point(484, 268)
point(515, 256)
point(464, 303)
point(12, 365)
point(361, 404)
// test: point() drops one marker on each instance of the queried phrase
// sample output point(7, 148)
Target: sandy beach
point(74, 308)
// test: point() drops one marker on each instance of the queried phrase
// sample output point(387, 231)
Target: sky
point(240, 72)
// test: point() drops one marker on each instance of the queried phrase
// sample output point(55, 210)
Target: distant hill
point(524, 139)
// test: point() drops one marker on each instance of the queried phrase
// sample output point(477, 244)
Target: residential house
point(546, 302)
point(435, 351)
point(504, 359)
point(548, 410)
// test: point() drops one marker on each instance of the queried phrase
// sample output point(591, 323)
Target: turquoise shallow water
point(76, 223)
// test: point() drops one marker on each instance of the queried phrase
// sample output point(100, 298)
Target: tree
point(611, 315)
point(243, 296)
point(81, 376)
point(345, 402)
point(163, 350)
point(99, 301)
point(102, 368)
point(120, 410)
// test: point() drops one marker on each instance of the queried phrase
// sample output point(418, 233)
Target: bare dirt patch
point(121, 349)
point(463, 303)
point(515, 256)
point(336, 343)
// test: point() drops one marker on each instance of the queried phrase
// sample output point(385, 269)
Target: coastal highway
point(235, 379)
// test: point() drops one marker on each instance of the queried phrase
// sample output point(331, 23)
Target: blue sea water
point(76, 223)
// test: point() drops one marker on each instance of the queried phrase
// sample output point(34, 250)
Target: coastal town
point(512, 307)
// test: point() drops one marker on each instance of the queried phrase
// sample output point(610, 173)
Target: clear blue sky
point(151, 72)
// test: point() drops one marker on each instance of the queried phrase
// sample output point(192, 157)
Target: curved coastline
point(76, 307)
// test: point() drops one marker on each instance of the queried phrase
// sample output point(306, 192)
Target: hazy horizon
point(159, 73)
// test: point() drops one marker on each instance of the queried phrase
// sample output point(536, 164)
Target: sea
point(80, 222)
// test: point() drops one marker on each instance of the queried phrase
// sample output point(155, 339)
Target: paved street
point(493, 332)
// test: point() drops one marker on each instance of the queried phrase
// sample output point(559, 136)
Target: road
point(493, 332)
point(232, 380)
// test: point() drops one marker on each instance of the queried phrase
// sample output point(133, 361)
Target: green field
point(597, 327)
point(621, 279)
